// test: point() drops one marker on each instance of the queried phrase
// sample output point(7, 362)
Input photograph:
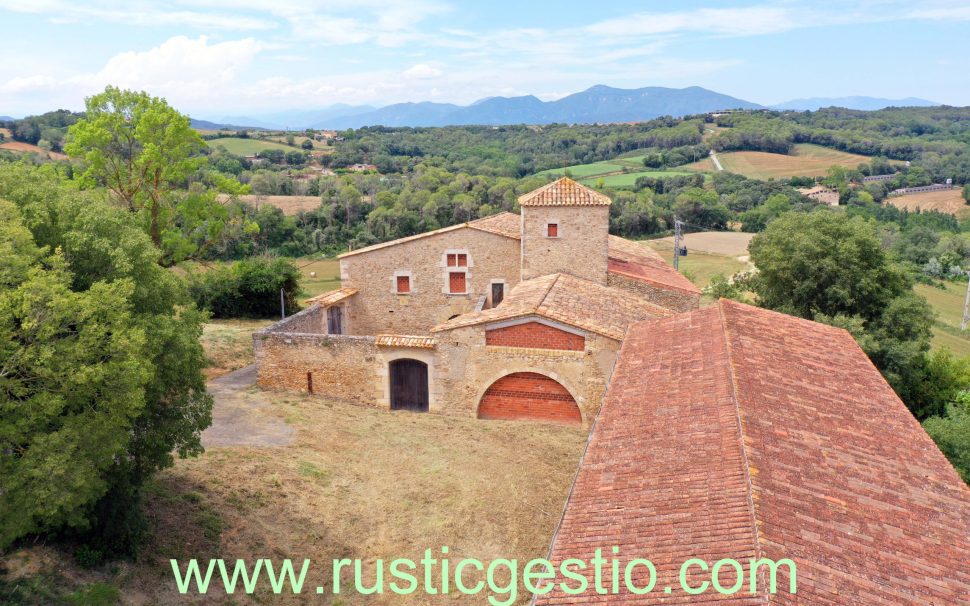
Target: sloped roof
point(570, 300)
point(496, 224)
point(736, 432)
point(419, 342)
point(640, 262)
point(333, 296)
point(564, 192)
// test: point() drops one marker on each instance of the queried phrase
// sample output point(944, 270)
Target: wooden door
point(498, 293)
point(335, 320)
point(409, 385)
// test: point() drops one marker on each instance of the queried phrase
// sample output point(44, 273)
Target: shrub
point(248, 288)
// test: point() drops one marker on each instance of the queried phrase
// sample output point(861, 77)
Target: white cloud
point(139, 14)
point(422, 71)
point(27, 84)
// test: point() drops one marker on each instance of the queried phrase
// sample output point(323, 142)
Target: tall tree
point(100, 363)
point(138, 147)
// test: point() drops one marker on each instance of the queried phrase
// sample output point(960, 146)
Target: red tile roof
point(570, 300)
point(503, 224)
point(418, 342)
point(564, 192)
point(333, 296)
point(736, 432)
point(640, 262)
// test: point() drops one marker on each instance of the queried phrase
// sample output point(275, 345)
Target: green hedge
point(247, 289)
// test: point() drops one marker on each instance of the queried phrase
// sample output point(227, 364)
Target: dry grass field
point(805, 161)
point(229, 344)
point(355, 483)
point(290, 205)
point(946, 201)
point(327, 276)
point(20, 146)
point(732, 244)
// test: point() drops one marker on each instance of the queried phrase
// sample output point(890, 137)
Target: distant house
point(878, 178)
point(821, 193)
point(922, 189)
point(362, 168)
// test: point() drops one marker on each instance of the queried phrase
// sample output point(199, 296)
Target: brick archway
point(529, 396)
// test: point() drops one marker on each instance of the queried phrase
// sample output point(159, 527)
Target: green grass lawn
point(579, 171)
point(948, 304)
point(327, 276)
point(630, 179)
point(246, 147)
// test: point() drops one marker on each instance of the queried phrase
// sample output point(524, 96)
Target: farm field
point(948, 304)
point(20, 146)
point(701, 266)
point(730, 243)
point(290, 205)
point(946, 201)
point(327, 278)
point(806, 160)
point(246, 147)
point(341, 489)
point(630, 179)
point(579, 171)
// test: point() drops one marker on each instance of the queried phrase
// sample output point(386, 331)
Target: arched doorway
point(409, 385)
point(529, 395)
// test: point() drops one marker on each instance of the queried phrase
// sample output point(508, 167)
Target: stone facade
point(379, 309)
point(546, 352)
point(579, 248)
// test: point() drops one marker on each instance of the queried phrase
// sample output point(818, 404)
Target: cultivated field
point(327, 276)
point(21, 147)
point(611, 172)
point(805, 161)
point(630, 179)
point(948, 304)
point(247, 147)
point(730, 243)
point(355, 483)
point(290, 205)
point(946, 201)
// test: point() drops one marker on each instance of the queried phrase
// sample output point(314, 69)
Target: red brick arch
point(529, 396)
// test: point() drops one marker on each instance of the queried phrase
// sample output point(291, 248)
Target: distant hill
point(299, 119)
point(861, 103)
point(207, 125)
point(596, 104)
point(6, 118)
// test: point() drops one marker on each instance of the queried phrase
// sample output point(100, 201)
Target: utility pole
point(966, 306)
point(678, 240)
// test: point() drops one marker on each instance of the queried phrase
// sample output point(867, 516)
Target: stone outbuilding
point(506, 317)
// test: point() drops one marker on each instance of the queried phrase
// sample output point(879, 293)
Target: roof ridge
point(542, 299)
point(746, 467)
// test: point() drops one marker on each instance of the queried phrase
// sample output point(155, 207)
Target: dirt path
point(242, 416)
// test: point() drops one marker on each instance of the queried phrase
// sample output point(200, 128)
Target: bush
point(248, 288)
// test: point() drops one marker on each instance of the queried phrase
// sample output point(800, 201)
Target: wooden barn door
point(335, 320)
point(409, 385)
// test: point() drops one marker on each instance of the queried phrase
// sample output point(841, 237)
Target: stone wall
point(676, 300)
point(467, 367)
point(580, 248)
point(378, 309)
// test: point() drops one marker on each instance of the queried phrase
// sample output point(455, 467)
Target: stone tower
point(564, 230)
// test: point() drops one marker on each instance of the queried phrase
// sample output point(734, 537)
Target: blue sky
point(213, 58)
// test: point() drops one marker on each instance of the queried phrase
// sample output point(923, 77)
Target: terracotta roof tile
point(334, 296)
point(564, 192)
point(405, 341)
point(570, 300)
point(639, 262)
point(736, 432)
point(504, 224)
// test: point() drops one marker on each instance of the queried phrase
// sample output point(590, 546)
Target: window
point(457, 260)
point(456, 283)
point(552, 230)
point(403, 284)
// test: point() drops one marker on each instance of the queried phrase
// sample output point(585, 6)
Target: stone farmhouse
point(506, 317)
point(728, 432)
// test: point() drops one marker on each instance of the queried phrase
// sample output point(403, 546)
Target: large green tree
point(101, 382)
point(826, 267)
point(140, 148)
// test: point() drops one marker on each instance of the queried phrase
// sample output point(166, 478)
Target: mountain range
point(863, 103)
